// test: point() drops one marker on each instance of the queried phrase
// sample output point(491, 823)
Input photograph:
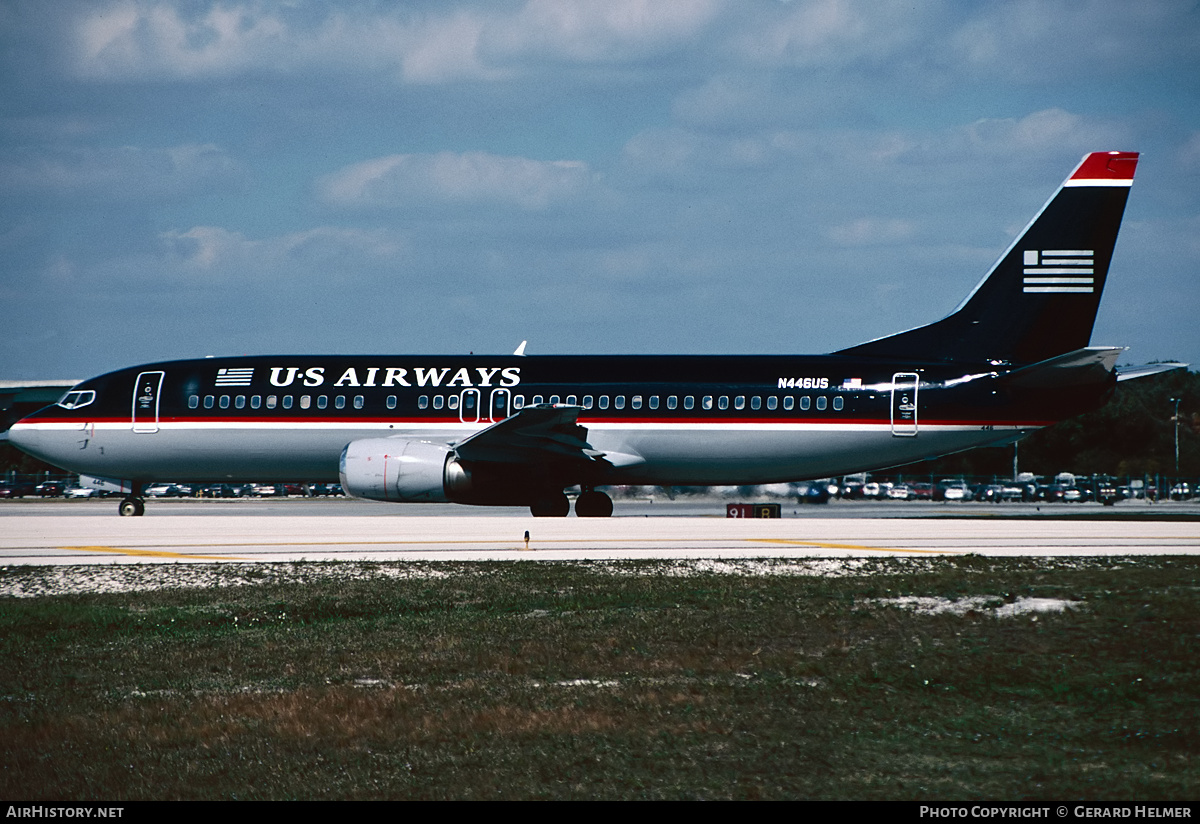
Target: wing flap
point(533, 435)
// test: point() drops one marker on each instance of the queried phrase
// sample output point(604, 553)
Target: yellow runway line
point(821, 545)
point(152, 553)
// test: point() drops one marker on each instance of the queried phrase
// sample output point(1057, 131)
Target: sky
point(181, 179)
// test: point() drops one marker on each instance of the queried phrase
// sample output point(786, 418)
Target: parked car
point(50, 489)
point(15, 489)
point(812, 492)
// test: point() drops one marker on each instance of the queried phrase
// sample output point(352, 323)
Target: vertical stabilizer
point(1040, 298)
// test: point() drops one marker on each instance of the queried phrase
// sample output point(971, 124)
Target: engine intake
point(403, 470)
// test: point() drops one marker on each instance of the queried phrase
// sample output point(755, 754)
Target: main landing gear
point(131, 506)
point(593, 504)
point(589, 504)
point(133, 503)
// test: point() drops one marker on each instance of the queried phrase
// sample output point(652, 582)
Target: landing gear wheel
point(131, 506)
point(552, 506)
point(593, 504)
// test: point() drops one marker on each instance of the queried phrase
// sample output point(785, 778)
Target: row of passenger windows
point(273, 401)
point(499, 401)
point(756, 402)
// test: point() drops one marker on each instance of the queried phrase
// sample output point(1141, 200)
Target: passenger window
point(707, 402)
point(322, 401)
point(305, 401)
point(822, 402)
point(240, 401)
point(772, 402)
point(619, 402)
point(637, 402)
point(439, 401)
point(604, 401)
point(672, 402)
point(194, 402)
point(739, 402)
point(287, 401)
point(838, 402)
point(571, 400)
point(452, 402)
point(423, 402)
point(788, 403)
point(553, 400)
point(340, 402)
point(224, 402)
point(537, 400)
point(359, 401)
point(255, 401)
point(756, 402)
point(518, 402)
point(723, 402)
point(391, 402)
point(209, 400)
point(689, 402)
point(587, 401)
point(805, 403)
point(654, 402)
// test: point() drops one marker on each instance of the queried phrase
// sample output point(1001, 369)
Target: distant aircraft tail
point(1040, 299)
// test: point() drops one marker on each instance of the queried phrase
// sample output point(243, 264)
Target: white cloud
point(141, 40)
point(453, 178)
point(586, 31)
point(1029, 40)
point(833, 32)
point(216, 253)
point(127, 173)
point(868, 231)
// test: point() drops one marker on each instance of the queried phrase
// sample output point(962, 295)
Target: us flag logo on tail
point(235, 376)
point(1059, 270)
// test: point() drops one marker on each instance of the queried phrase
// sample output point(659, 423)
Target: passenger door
point(145, 401)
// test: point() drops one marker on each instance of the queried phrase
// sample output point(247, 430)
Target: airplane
point(518, 430)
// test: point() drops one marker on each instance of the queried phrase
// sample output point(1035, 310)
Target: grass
point(578, 680)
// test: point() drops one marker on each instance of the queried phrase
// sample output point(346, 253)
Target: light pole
point(1176, 421)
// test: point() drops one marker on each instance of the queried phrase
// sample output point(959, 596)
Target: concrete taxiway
point(74, 533)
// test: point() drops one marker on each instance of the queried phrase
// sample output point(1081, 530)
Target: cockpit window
point(77, 398)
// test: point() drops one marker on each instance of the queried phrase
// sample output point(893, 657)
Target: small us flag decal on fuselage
point(235, 376)
point(1059, 270)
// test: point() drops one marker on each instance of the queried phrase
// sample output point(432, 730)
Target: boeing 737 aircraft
point(516, 430)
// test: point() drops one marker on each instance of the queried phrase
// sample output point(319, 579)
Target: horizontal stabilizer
point(1089, 365)
point(1128, 373)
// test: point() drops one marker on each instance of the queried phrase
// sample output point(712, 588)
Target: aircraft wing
point(536, 434)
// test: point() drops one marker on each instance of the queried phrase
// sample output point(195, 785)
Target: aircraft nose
point(31, 439)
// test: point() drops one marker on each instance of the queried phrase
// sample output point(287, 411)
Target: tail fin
point(1041, 297)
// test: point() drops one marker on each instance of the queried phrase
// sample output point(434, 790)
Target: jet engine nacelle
point(400, 469)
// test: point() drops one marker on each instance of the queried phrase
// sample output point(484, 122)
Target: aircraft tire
point(131, 506)
point(593, 504)
point(552, 506)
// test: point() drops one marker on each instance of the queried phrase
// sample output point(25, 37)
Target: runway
point(87, 533)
